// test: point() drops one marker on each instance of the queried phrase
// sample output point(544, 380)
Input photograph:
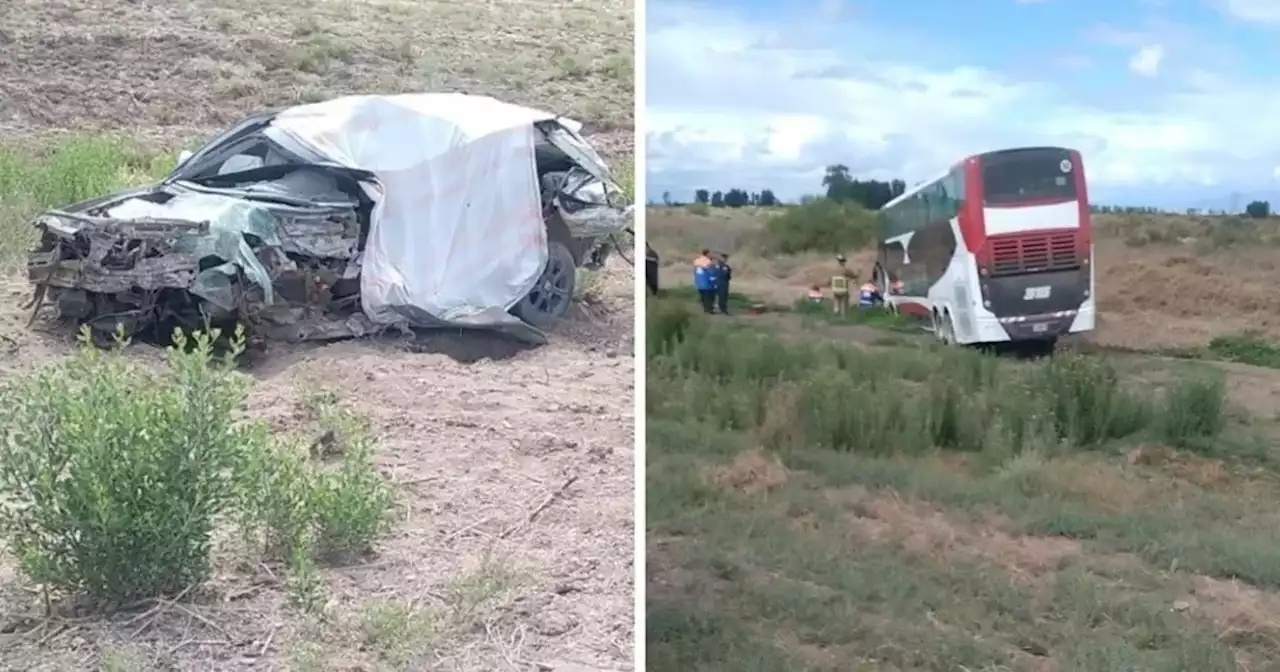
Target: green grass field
point(823, 505)
point(67, 171)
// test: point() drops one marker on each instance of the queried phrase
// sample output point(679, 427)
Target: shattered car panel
point(131, 261)
point(255, 227)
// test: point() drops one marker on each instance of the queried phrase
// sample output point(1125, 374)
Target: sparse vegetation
point(1246, 348)
point(821, 225)
point(67, 171)
point(810, 499)
point(114, 476)
point(1201, 234)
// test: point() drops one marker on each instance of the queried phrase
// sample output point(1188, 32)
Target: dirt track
point(480, 433)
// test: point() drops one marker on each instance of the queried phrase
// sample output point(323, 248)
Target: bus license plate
point(1040, 328)
point(1037, 293)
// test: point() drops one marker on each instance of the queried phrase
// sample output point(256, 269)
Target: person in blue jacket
point(705, 280)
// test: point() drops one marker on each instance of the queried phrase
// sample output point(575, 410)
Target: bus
point(998, 249)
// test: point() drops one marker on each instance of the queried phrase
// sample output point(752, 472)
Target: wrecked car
point(341, 219)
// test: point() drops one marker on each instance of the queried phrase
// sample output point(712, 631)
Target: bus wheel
point(942, 328)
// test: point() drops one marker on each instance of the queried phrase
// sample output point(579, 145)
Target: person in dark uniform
point(651, 268)
point(724, 275)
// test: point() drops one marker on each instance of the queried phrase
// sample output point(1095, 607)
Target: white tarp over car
point(457, 229)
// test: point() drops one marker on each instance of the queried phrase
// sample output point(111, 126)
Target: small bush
point(701, 209)
point(112, 475)
point(1086, 401)
point(821, 225)
point(1246, 348)
point(296, 501)
point(666, 324)
point(1193, 409)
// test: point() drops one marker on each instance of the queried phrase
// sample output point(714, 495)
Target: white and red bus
point(999, 249)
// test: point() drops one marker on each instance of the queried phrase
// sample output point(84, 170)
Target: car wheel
point(550, 299)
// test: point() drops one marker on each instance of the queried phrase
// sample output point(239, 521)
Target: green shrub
point(112, 475)
point(879, 401)
point(1246, 348)
point(666, 324)
point(1086, 400)
point(1193, 409)
point(821, 225)
point(295, 500)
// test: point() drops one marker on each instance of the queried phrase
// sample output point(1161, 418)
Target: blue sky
point(1174, 103)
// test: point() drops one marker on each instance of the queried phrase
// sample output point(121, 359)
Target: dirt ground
point(481, 435)
point(1172, 292)
point(175, 71)
point(514, 466)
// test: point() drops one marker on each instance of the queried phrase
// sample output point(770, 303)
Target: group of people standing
point(711, 277)
point(869, 294)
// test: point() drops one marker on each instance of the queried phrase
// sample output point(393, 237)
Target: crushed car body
point(342, 219)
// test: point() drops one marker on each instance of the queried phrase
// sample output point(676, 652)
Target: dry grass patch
point(752, 472)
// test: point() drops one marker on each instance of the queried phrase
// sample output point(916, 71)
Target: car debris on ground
point(342, 219)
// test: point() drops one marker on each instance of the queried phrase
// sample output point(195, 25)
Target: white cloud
point(1146, 61)
point(736, 103)
point(1254, 11)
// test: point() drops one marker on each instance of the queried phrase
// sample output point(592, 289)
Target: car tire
point(551, 298)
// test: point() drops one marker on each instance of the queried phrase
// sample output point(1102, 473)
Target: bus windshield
point(1024, 175)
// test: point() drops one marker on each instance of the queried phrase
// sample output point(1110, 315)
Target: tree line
point(841, 187)
point(837, 183)
point(733, 198)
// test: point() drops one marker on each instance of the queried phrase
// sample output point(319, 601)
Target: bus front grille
point(1032, 253)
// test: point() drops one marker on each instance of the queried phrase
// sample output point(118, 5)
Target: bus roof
point(916, 189)
point(929, 182)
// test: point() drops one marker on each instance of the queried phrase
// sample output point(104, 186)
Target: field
point(828, 495)
point(1164, 281)
point(509, 538)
